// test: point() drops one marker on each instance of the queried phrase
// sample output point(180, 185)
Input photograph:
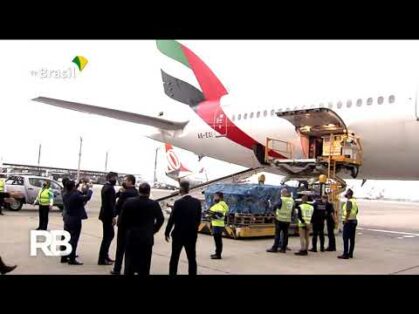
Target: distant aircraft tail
point(174, 165)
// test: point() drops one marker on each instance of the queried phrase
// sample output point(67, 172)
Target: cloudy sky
point(126, 75)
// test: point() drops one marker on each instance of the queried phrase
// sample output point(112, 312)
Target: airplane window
point(272, 112)
point(369, 101)
point(391, 99)
point(258, 114)
point(380, 100)
point(251, 115)
point(339, 104)
point(245, 116)
point(349, 103)
point(239, 116)
point(330, 105)
point(359, 102)
point(265, 113)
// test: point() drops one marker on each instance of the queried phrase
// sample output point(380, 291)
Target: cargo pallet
point(239, 226)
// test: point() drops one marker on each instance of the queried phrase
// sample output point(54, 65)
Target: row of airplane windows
point(339, 105)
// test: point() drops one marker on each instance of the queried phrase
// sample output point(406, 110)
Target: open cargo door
point(315, 122)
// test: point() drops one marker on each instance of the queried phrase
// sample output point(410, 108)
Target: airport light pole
point(78, 168)
point(155, 166)
point(106, 161)
point(39, 159)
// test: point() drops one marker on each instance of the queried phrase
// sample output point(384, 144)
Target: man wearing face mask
point(127, 192)
point(218, 212)
point(107, 216)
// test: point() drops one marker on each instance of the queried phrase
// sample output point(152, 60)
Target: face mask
point(112, 181)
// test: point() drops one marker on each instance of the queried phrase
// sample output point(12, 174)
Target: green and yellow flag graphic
point(80, 61)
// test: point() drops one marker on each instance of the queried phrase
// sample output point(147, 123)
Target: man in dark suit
point(107, 216)
point(186, 217)
point(74, 202)
point(127, 192)
point(141, 218)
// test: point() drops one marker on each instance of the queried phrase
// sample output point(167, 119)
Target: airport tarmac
point(387, 243)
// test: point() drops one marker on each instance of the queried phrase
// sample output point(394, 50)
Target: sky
point(126, 75)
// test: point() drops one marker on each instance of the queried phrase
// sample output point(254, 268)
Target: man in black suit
point(186, 217)
point(127, 192)
point(74, 202)
point(107, 216)
point(141, 218)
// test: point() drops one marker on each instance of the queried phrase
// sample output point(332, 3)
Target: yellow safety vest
point(44, 196)
point(284, 213)
point(220, 207)
point(2, 185)
point(306, 212)
point(354, 210)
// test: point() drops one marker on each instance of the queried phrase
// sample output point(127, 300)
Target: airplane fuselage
point(387, 126)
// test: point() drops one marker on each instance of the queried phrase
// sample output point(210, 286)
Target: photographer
point(74, 200)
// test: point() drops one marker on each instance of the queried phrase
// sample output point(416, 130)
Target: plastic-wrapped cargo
point(248, 198)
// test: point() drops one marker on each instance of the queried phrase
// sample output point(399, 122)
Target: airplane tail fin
point(211, 86)
point(174, 165)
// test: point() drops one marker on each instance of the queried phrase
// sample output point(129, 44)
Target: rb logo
point(52, 241)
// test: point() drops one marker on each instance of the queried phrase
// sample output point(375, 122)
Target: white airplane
point(177, 171)
point(215, 126)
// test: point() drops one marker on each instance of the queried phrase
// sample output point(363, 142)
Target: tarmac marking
point(405, 269)
point(406, 234)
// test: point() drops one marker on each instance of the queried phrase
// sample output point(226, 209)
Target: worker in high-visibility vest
point(2, 194)
point(283, 213)
point(305, 211)
point(218, 212)
point(349, 218)
point(45, 199)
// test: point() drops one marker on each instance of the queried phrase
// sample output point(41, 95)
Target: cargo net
point(248, 203)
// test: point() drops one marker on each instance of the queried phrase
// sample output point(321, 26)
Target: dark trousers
point(120, 249)
point(349, 231)
point(281, 226)
point(217, 233)
point(190, 248)
point(43, 217)
point(331, 234)
point(318, 231)
point(1, 202)
point(138, 259)
point(73, 224)
point(108, 235)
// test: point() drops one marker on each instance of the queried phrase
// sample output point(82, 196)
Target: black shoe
point(282, 251)
point(272, 250)
point(313, 250)
point(330, 250)
point(215, 256)
point(302, 253)
point(322, 249)
point(64, 259)
point(7, 269)
point(343, 256)
point(74, 262)
point(105, 262)
point(350, 256)
point(114, 272)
